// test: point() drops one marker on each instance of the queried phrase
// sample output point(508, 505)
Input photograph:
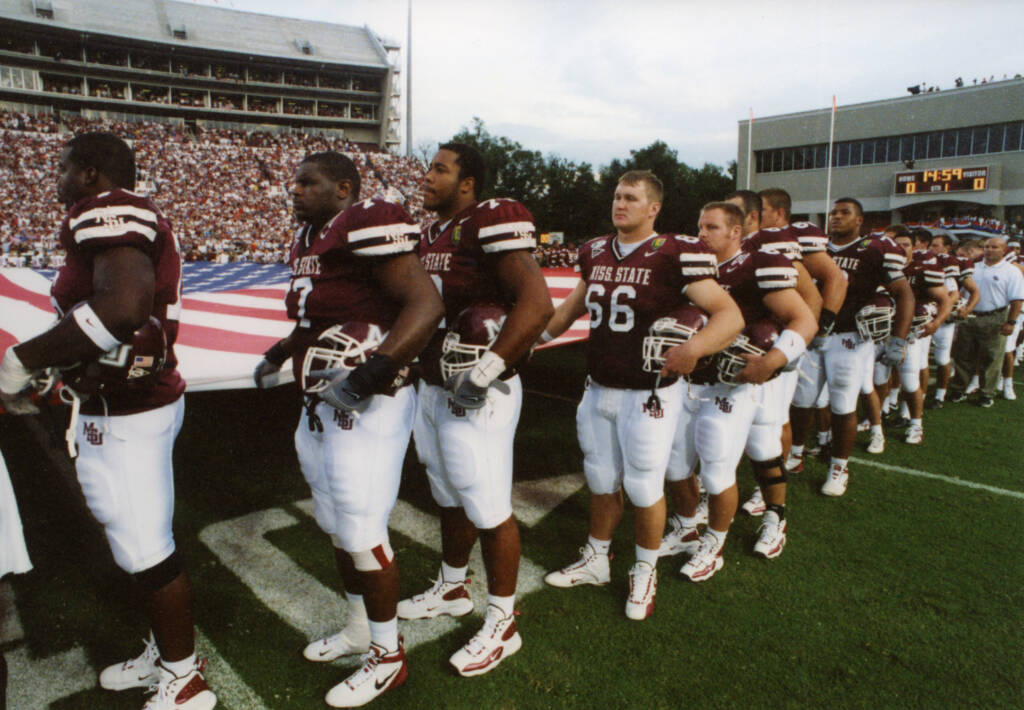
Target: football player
point(727, 414)
point(869, 263)
point(960, 287)
point(360, 299)
point(479, 255)
point(776, 208)
point(628, 416)
point(123, 276)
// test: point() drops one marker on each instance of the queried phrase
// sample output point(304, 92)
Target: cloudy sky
point(592, 79)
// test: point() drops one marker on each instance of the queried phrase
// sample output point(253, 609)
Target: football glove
point(14, 377)
point(895, 351)
point(352, 391)
point(265, 375)
point(469, 388)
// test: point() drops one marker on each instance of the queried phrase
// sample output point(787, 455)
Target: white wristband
point(487, 370)
point(13, 375)
point(93, 328)
point(790, 344)
point(546, 337)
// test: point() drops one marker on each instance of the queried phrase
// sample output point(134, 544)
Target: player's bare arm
point(1011, 317)
point(404, 279)
point(522, 278)
point(568, 311)
point(904, 295)
point(725, 321)
point(973, 296)
point(833, 282)
point(789, 308)
point(808, 290)
point(123, 284)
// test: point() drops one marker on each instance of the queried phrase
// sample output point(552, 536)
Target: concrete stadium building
point(951, 154)
point(180, 62)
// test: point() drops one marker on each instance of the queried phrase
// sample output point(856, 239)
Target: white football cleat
point(590, 568)
point(451, 598)
point(705, 562)
point(187, 692)
point(354, 638)
point(1008, 392)
point(381, 671)
point(643, 583)
point(138, 672)
point(773, 536)
point(679, 539)
point(877, 443)
point(915, 435)
point(496, 640)
point(838, 479)
point(865, 425)
point(755, 506)
point(795, 462)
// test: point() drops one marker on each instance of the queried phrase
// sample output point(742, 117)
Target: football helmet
point(874, 319)
point(134, 365)
point(340, 347)
point(471, 334)
point(924, 313)
point(756, 339)
point(669, 331)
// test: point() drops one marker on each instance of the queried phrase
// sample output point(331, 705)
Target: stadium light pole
point(831, 140)
point(408, 79)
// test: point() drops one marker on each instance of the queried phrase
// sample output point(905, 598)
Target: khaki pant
point(979, 344)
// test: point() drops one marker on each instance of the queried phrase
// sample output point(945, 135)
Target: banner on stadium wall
point(231, 314)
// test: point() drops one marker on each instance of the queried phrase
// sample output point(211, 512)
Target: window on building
point(963, 141)
point(1013, 136)
point(995, 138)
point(979, 140)
point(920, 146)
point(881, 144)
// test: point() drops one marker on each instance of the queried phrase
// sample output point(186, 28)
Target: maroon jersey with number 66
point(626, 293)
point(332, 272)
point(120, 218)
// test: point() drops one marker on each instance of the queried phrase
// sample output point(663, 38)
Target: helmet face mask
point(131, 365)
point(874, 321)
point(471, 335)
point(924, 313)
point(756, 339)
point(669, 331)
point(340, 347)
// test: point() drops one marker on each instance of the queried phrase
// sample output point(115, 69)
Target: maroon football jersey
point(924, 271)
point(868, 262)
point(461, 257)
point(120, 218)
point(966, 269)
point(749, 276)
point(778, 240)
point(810, 237)
point(627, 293)
point(950, 266)
point(332, 272)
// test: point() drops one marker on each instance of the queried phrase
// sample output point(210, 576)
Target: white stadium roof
point(207, 28)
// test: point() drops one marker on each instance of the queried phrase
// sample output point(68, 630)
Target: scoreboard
point(920, 182)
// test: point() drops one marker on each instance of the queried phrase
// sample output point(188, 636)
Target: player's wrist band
point(93, 328)
point(488, 369)
point(277, 354)
point(14, 376)
point(791, 344)
point(546, 337)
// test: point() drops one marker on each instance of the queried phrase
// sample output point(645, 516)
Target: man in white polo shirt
point(981, 338)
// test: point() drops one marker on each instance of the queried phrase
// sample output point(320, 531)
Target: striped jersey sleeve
point(376, 228)
point(893, 260)
point(810, 237)
point(696, 260)
point(116, 218)
point(966, 269)
point(774, 271)
point(503, 225)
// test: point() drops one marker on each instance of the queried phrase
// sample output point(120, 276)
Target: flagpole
point(408, 80)
point(750, 143)
point(831, 140)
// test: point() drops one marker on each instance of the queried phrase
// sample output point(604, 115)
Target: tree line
point(573, 198)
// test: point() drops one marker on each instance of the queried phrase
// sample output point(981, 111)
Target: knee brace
point(160, 574)
point(761, 469)
point(373, 560)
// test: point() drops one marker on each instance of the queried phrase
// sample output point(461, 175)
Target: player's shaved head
point(858, 208)
point(108, 154)
point(338, 167)
point(471, 165)
point(650, 181)
point(732, 213)
point(777, 199)
point(750, 199)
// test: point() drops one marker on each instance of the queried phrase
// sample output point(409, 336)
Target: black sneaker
point(957, 398)
point(985, 402)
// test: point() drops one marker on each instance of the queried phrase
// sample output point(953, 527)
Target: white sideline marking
point(533, 500)
point(232, 692)
point(938, 477)
point(36, 683)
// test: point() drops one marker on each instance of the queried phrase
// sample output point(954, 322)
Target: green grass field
point(905, 593)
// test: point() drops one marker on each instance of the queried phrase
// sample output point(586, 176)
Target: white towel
point(13, 555)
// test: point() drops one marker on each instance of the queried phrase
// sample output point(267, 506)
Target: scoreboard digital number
point(927, 182)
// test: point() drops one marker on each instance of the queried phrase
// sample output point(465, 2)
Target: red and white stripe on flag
point(222, 334)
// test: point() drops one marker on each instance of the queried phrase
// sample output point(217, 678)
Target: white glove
point(14, 377)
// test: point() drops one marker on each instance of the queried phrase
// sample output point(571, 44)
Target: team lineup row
point(698, 346)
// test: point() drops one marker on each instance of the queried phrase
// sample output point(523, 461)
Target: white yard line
point(938, 477)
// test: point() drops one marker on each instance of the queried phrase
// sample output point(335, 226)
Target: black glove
point(352, 391)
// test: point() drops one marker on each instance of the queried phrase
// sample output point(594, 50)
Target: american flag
point(231, 314)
